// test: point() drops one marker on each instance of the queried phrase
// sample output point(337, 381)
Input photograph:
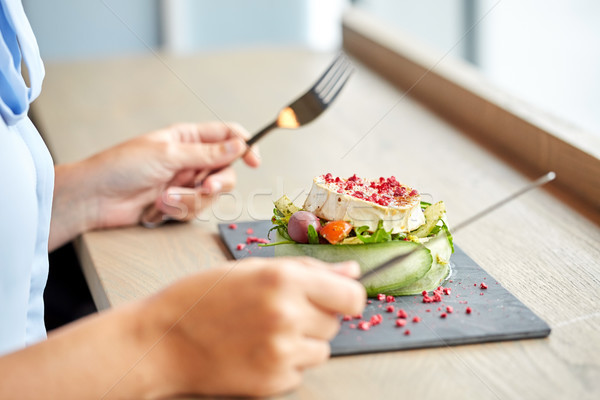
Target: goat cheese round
point(365, 202)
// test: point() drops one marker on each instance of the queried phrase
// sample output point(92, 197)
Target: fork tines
point(333, 79)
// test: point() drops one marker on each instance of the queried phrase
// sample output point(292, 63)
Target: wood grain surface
point(540, 248)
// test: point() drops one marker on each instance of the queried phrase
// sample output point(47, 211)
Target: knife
point(550, 176)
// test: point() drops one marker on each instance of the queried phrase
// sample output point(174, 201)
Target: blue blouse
point(26, 184)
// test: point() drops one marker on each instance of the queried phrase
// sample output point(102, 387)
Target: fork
point(298, 113)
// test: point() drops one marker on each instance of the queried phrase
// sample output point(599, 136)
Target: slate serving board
point(496, 314)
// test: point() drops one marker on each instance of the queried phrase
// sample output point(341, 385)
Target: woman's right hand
point(249, 327)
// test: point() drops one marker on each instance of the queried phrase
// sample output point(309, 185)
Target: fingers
point(332, 292)
point(311, 352)
point(214, 144)
point(320, 324)
point(178, 203)
point(210, 132)
point(218, 182)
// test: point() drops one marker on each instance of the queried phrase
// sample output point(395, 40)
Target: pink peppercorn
point(401, 314)
point(449, 309)
point(468, 310)
point(483, 285)
point(416, 319)
point(443, 315)
point(347, 318)
point(390, 299)
point(381, 297)
point(249, 231)
point(407, 332)
point(232, 226)
point(400, 322)
point(240, 246)
point(389, 308)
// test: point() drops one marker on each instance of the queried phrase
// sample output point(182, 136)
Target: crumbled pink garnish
point(443, 315)
point(468, 310)
point(376, 319)
point(389, 308)
point(449, 309)
point(407, 332)
point(483, 285)
point(381, 297)
point(249, 231)
point(384, 191)
point(364, 326)
point(400, 322)
point(416, 319)
point(390, 299)
point(347, 318)
point(232, 226)
point(254, 239)
point(240, 246)
point(401, 314)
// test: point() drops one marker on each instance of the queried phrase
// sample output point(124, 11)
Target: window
point(543, 52)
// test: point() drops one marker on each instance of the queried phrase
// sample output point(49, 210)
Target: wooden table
point(540, 247)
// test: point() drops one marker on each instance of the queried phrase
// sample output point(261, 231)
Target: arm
point(113, 187)
point(245, 328)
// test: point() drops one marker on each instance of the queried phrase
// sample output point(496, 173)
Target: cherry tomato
point(336, 231)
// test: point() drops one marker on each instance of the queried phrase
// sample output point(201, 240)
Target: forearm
point(105, 356)
point(73, 204)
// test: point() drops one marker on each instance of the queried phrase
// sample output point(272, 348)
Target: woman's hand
point(251, 327)
point(243, 329)
point(113, 187)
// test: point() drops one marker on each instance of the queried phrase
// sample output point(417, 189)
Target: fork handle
point(258, 135)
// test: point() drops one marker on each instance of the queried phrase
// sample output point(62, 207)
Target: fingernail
point(175, 197)
point(232, 146)
point(256, 151)
point(216, 186)
point(350, 266)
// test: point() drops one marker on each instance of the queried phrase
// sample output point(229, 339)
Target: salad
point(369, 221)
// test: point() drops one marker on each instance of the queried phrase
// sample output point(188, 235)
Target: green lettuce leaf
point(379, 236)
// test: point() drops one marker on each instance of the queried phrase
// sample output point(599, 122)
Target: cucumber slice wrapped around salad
point(335, 241)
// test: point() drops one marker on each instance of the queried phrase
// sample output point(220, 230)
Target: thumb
point(211, 155)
